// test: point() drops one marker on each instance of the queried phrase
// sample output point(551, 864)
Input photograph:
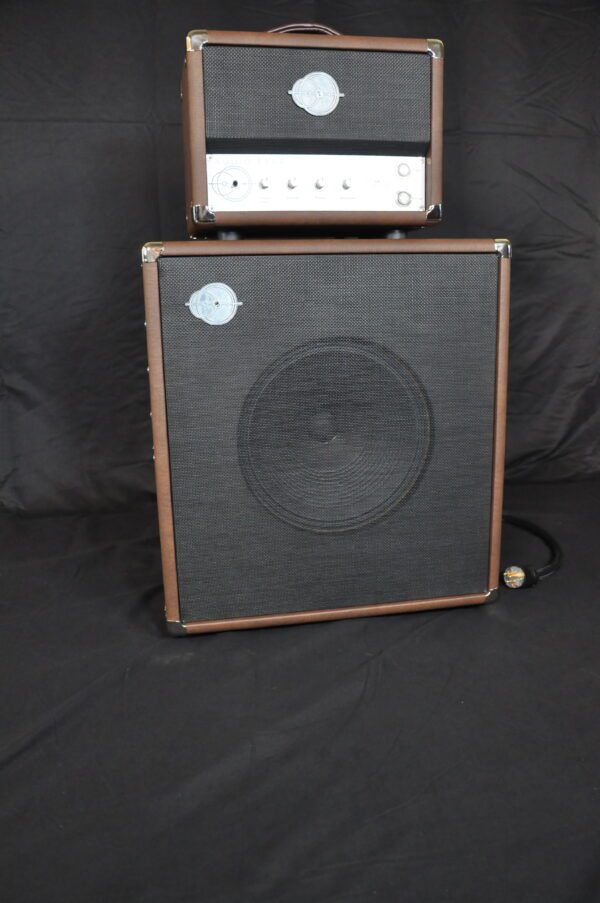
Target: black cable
point(518, 576)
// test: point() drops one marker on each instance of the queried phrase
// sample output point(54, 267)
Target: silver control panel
point(278, 182)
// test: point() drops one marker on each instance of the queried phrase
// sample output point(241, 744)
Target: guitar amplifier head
point(311, 129)
point(328, 422)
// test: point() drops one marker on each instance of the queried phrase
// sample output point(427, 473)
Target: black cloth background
point(442, 756)
point(92, 168)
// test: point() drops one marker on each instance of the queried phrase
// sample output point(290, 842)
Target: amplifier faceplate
point(313, 182)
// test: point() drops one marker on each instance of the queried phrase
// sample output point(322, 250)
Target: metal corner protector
point(176, 628)
point(202, 214)
point(503, 247)
point(436, 48)
point(195, 40)
point(434, 213)
point(152, 251)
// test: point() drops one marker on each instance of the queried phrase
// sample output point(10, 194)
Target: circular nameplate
point(317, 93)
point(215, 303)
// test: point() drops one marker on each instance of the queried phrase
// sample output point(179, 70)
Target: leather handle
point(306, 27)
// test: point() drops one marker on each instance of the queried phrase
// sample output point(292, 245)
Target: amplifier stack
point(328, 413)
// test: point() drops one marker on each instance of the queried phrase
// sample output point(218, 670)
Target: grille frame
point(160, 429)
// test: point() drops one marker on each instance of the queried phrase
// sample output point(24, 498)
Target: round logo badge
point(317, 93)
point(215, 303)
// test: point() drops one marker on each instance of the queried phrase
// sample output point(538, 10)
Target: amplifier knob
point(404, 169)
point(264, 182)
point(292, 182)
point(320, 183)
point(404, 198)
point(347, 183)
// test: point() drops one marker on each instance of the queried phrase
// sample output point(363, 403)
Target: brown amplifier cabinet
point(311, 129)
point(328, 422)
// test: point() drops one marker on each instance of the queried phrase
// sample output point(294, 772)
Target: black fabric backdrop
point(443, 756)
point(92, 168)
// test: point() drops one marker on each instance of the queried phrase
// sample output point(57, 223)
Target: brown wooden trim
point(434, 159)
point(188, 144)
point(333, 614)
point(500, 420)
point(160, 439)
point(194, 135)
point(303, 39)
point(331, 246)
point(305, 218)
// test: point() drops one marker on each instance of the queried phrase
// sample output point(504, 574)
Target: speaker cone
point(334, 434)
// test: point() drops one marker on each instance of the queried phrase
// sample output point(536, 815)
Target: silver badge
point(317, 93)
point(215, 303)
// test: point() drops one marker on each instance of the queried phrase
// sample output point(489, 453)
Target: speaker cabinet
point(328, 421)
point(311, 129)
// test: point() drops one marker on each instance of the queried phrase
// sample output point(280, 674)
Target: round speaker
point(334, 434)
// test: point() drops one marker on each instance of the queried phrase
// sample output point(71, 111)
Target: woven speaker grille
point(330, 445)
point(385, 108)
point(334, 434)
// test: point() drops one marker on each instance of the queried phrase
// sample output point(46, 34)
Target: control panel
point(312, 182)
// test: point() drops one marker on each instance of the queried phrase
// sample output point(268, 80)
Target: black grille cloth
point(386, 99)
point(334, 434)
point(436, 313)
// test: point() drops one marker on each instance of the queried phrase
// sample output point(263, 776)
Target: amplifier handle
point(307, 27)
